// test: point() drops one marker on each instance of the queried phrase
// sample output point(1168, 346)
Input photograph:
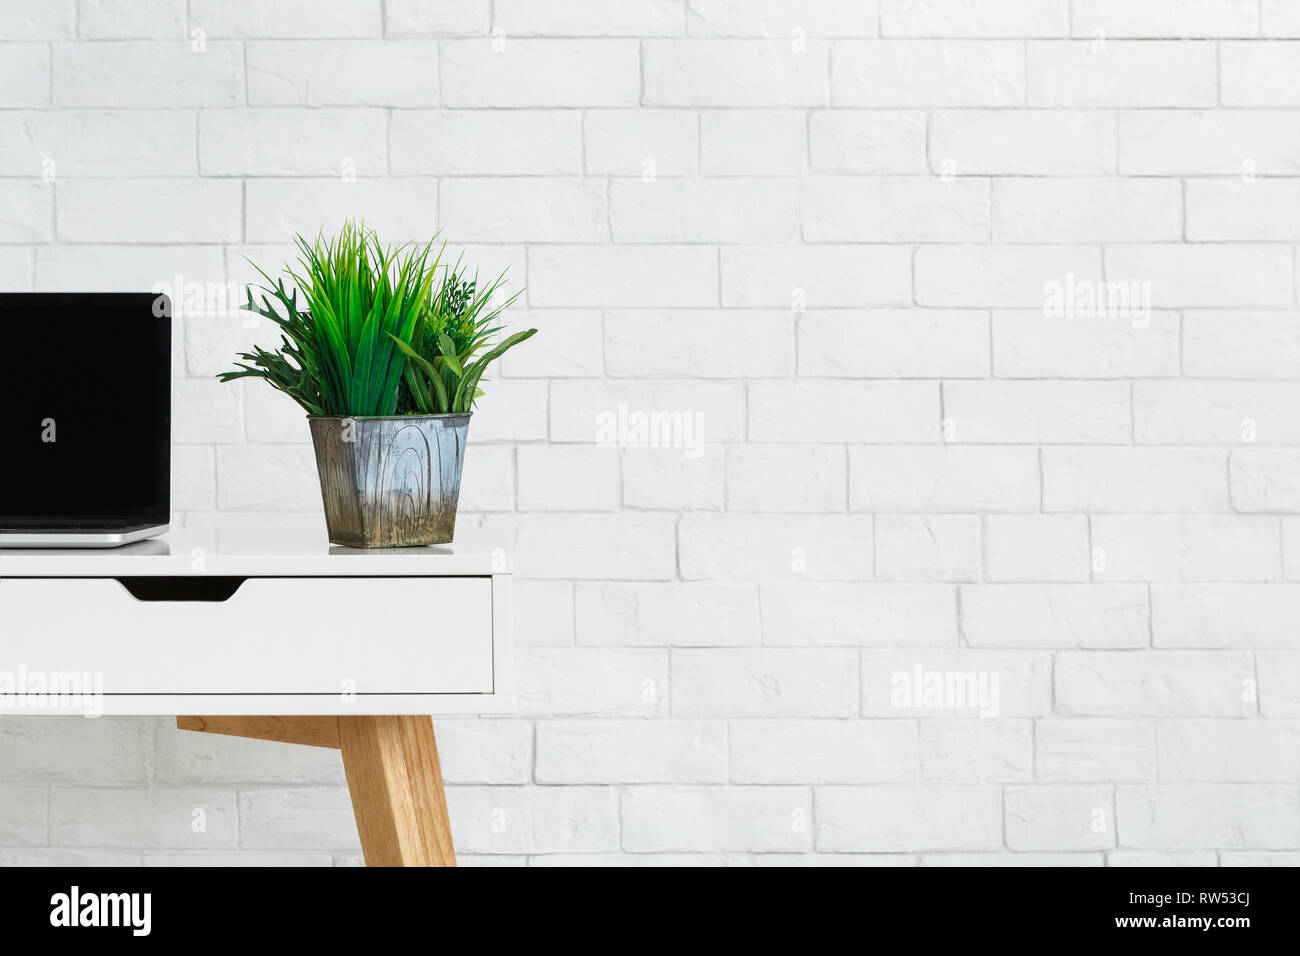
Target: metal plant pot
point(390, 482)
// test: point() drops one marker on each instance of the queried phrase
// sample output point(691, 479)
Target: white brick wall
point(861, 244)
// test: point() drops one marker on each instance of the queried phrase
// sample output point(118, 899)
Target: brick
point(867, 141)
point(27, 814)
point(1172, 548)
point(77, 268)
point(595, 545)
point(1035, 142)
point(699, 343)
point(569, 344)
point(390, 73)
point(1036, 548)
point(694, 819)
point(669, 478)
point(485, 143)
point(1014, 859)
point(1279, 684)
point(28, 212)
point(1279, 19)
point(1208, 142)
point(631, 751)
point(1167, 18)
point(1208, 751)
point(1055, 615)
point(943, 479)
point(198, 759)
point(823, 751)
point(824, 276)
point(435, 18)
point(1204, 274)
point(995, 412)
point(624, 275)
point(927, 73)
point(527, 210)
point(521, 18)
point(100, 752)
point(976, 751)
point(691, 414)
point(928, 547)
point(147, 19)
point(988, 18)
point(544, 613)
point(774, 19)
point(533, 819)
point(287, 19)
point(1265, 479)
point(25, 75)
point(786, 478)
point(146, 818)
point(1154, 684)
point(893, 343)
point(1215, 413)
point(641, 142)
point(206, 412)
point(1225, 615)
point(54, 20)
point(268, 478)
point(702, 72)
point(898, 818)
point(544, 73)
point(89, 143)
point(1094, 750)
point(907, 209)
point(898, 615)
point(148, 75)
point(748, 547)
point(1007, 275)
point(398, 210)
point(1123, 73)
point(150, 210)
point(1059, 818)
point(675, 613)
point(587, 682)
point(753, 142)
point(976, 684)
point(1216, 816)
point(1251, 210)
point(1032, 345)
point(831, 411)
point(511, 410)
point(1134, 479)
point(764, 682)
point(737, 211)
point(284, 142)
point(1088, 208)
point(567, 478)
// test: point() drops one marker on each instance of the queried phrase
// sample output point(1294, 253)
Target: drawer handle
point(193, 588)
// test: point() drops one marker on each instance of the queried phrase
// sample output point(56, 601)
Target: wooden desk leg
point(397, 794)
point(393, 776)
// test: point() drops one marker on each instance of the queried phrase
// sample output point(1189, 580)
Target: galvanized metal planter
point(390, 482)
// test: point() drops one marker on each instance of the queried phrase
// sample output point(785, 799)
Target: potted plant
point(385, 353)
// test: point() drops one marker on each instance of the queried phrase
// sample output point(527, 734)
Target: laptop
point(85, 418)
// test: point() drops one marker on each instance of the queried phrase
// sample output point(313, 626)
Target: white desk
point(278, 635)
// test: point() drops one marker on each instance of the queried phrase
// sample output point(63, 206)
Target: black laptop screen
point(85, 410)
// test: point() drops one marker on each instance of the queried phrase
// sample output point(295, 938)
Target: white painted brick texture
point(985, 544)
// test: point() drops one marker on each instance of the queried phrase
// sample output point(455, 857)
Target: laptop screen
point(85, 410)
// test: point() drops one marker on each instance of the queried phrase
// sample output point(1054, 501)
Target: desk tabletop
point(249, 550)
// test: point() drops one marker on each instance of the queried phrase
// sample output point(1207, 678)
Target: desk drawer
point(272, 635)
